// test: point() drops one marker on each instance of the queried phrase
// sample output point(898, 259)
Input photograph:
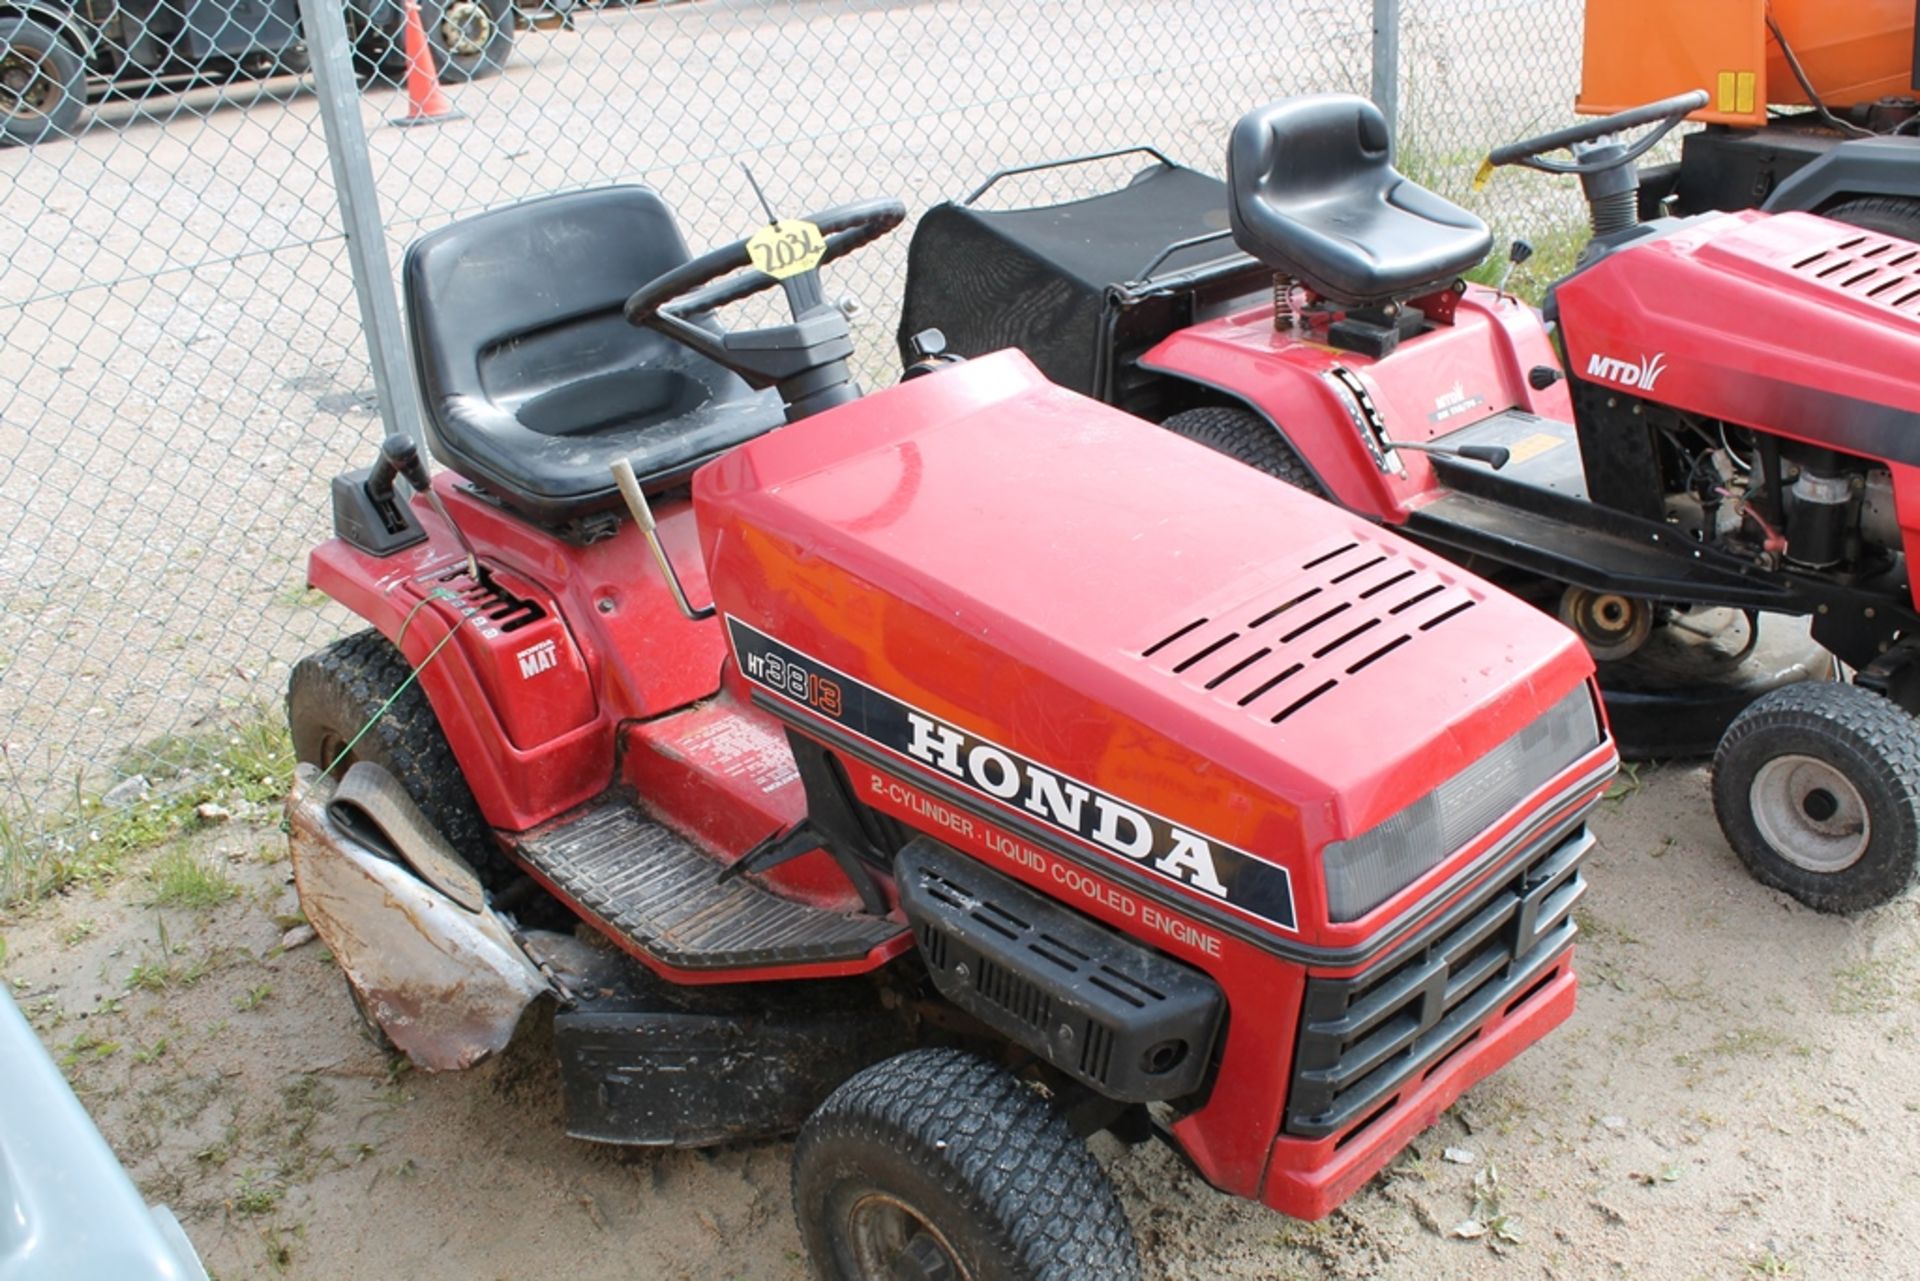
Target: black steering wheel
point(1531, 152)
point(702, 284)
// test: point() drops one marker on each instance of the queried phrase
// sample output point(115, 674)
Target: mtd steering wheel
point(1602, 162)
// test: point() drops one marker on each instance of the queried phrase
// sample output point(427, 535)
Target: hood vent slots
point(1282, 608)
point(1268, 684)
point(1302, 701)
point(1438, 619)
point(1224, 641)
point(1879, 269)
point(1239, 667)
point(1385, 583)
point(1337, 613)
point(1165, 641)
point(1344, 637)
point(1416, 598)
point(1315, 621)
point(1318, 561)
point(1361, 568)
point(1379, 654)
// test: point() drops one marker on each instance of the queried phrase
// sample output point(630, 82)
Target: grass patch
point(181, 878)
point(173, 967)
point(256, 1195)
point(300, 596)
point(252, 755)
point(1516, 205)
point(1876, 985)
point(1555, 247)
point(88, 1047)
point(249, 760)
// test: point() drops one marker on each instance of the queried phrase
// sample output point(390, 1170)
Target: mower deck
point(647, 884)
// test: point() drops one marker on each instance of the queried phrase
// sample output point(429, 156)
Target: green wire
point(412, 676)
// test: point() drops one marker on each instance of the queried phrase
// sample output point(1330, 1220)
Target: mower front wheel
point(937, 1164)
point(1246, 436)
point(1817, 787)
point(335, 693)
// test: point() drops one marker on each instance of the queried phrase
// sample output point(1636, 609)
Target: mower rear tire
point(1817, 787)
point(1245, 435)
point(334, 692)
point(1888, 215)
point(937, 1163)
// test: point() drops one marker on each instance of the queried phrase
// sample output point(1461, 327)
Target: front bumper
point(1309, 1178)
point(1380, 1054)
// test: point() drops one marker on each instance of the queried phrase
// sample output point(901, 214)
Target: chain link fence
point(182, 358)
point(1476, 73)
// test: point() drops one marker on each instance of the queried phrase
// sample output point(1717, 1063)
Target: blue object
point(68, 1211)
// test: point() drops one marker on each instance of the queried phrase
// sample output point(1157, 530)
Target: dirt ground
point(1734, 1098)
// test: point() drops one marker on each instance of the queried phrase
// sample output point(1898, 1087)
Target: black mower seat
point(533, 381)
point(1315, 197)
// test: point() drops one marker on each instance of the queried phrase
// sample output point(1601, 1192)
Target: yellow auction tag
point(1484, 176)
point(787, 248)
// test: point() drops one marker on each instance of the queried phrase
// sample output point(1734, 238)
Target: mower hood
point(1009, 592)
point(1785, 322)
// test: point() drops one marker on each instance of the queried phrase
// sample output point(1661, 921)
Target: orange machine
point(1812, 102)
point(1853, 53)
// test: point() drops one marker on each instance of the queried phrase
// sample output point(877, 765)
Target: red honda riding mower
point(1732, 431)
point(945, 775)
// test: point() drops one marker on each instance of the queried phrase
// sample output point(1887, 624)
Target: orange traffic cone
point(426, 103)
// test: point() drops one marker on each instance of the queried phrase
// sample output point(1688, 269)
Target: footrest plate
point(655, 887)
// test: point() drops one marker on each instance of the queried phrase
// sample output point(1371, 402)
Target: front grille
point(1343, 609)
point(1364, 1038)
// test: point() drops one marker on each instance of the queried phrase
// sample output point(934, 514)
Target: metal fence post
point(1386, 64)
point(325, 27)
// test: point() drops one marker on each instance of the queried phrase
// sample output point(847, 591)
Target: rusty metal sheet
point(446, 984)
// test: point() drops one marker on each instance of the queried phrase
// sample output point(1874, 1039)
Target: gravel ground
point(181, 361)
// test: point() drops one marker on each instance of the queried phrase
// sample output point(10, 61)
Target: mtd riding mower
point(1732, 432)
point(945, 774)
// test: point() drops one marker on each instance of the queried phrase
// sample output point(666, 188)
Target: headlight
point(1366, 871)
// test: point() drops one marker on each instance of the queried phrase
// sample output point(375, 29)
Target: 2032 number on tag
point(787, 248)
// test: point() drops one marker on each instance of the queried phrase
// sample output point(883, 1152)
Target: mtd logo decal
point(1641, 376)
point(535, 659)
point(986, 769)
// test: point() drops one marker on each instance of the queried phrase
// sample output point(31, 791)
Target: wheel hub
point(1810, 813)
point(1612, 625)
point(466, 27)
point(25, 87)
point(892, 1241)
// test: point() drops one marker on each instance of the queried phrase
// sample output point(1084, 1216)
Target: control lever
point(643, 516)
point(400, 455)
point(1494, 456)
point(1517, 253)
point(929, 351)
